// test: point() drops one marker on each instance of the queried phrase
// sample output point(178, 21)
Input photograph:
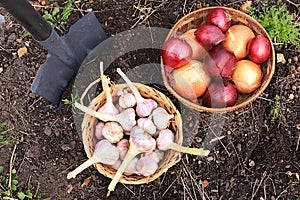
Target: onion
point(209, 35)
point(237, 38)
point(259, 49)
point(219, 61)
point(191, 80)
point(220, 18)
point(199, 50)
point(247, 76)
point(220, 95)
point(176, 52)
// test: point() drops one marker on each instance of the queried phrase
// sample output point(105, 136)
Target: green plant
point(275, 110)
point(5, 141)
point(279, 24)
point(72, 100)
point(59, 19)
point(9, 187)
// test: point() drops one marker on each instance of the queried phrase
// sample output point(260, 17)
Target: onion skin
point(220, 95)
point(176, 52)
point(219, 62)
point(199, 50)
point(237, 38)
point(209, 35)
point(220, 18)
point(191, 80)
point(247, 76)
point(258, 49)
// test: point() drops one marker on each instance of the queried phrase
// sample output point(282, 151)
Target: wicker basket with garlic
point(131, 132)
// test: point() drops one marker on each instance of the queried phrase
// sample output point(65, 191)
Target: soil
point(257, 156)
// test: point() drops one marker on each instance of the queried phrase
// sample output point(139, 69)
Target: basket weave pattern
point(196, 19)
point(89, 140)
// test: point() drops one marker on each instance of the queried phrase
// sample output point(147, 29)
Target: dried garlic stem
point(193, 151)
point(105, 84)
point(82, 167)
point(132, 87)
point(103, 117)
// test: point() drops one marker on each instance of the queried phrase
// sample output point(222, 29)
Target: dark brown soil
point(258, 157)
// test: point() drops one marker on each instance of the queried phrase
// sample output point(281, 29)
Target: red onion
point(209, 35)
point(176, 52)
point(220, 18)
point(258, 49)
point(219, 61)
point(220, 95)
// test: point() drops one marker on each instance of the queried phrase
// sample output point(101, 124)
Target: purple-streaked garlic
point(123, 146)
point(165, 141)
point(146, 166)
point(116, 165)
point(144, 106)
point(98, 130)
point(139, 142)
point(112, 131)
point(108, 108)
point(131, 168)
point(127, 100)
point(147, 124)
point(161, 118)
point(105, 153)
point(156, 155)
point(125, 118)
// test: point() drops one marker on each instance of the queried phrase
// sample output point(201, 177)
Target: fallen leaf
point(205, 184)
point(86, 181)
point(22, 51)
point(245, 7)
point(36, 5)
point(280, 58)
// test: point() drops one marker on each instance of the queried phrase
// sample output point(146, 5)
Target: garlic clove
point(144, 108)
point(127, 119)
point(123, 146)
point(143, 141)
point(165, 139)
point(108, 108)
point(147, 124)
point(161, 118)
point(116, 165)
point(112, 131)
point(98, 130)
point(129, 100)
point(131, 168)
point(156, 155)
point(146, 166)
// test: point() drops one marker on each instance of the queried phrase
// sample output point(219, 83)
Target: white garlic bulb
point(123, 146)
point(161, 118)
point(98, 130)
point(146, 166)
point(131, 168)
point(112, 131)
point(165, 139)
point(147, 124)
point(156, 155)
point(127, 100)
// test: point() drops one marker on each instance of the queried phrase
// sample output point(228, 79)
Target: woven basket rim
point(258, 92)
point(106, 170)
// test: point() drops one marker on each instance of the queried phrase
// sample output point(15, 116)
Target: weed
point(59, 19)
point(6, 141)
point(279, 24)
point(9, 188)
point(275, 110)
point(72, 100)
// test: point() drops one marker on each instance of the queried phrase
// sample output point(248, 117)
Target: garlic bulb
point(146, 166)
point(116, 165)
point(98, 130)
point(156, 155)
point(123, 146)
point(144, 106)
point(108, 107)
point(161, 118)
point(105, 153)
point(127, 100)
point(165, 141)
point(125, 118)
point(131, 168)
point(147, 124)
point(112, 131)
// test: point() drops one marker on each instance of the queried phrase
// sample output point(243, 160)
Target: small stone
point(47, 130)
point(251, 163)
point(1, 70)
point(280, 58)
point(291, 96)
point(56, 133)
point(210, 158)
point(294, 87)
point(2, 19)
point(289, 60)
point(296, 58)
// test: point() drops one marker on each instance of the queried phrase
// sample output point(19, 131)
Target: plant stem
point(101, 116)
point(81, 167)
point(193, 151)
